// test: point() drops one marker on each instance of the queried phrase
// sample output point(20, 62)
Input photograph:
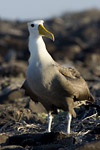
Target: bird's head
point(36, 28)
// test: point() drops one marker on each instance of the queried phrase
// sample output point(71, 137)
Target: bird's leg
point(49, 121)
point(69, 118)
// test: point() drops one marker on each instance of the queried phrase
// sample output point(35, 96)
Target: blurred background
point(26, 10)
point(76, 27)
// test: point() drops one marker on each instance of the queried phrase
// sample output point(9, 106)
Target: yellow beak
point(44, 32)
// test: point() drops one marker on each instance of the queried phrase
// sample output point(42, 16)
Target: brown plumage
point(73, 88)
point(48, 82)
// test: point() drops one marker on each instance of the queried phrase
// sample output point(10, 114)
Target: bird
point(48, 82)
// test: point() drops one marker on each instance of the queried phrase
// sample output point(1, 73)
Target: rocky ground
point(22, 122)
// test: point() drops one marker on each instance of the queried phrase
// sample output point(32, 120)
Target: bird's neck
point(38, 51)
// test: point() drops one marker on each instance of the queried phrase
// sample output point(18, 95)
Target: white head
point(36, 29)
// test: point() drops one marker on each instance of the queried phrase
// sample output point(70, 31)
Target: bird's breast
point(40, 77)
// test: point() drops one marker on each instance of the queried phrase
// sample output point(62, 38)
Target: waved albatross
point(55, 86)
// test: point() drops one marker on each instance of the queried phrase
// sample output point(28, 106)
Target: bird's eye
point(32, 25)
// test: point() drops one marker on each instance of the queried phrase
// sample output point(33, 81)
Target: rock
point(96, 130)
point(35, 107)
point(13, 69)
point(92, 59)
point(10, 89)
point(10, 114)
point(90, 146)
point(96, 71)
point(12, 147)
point(3, 138)
point(56, 140)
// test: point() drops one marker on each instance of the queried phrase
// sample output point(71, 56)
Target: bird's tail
point(91, 99)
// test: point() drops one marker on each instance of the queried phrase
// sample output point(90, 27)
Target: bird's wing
point(76, 84)
point(29, 92)
point(69, 72)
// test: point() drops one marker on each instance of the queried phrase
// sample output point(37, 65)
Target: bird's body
point(38, 69)
point(50, 83)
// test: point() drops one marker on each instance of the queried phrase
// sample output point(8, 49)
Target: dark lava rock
point(35, 107)
point(96, 130)
point(9, 114)
point(13, 69)
point(57, 139)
